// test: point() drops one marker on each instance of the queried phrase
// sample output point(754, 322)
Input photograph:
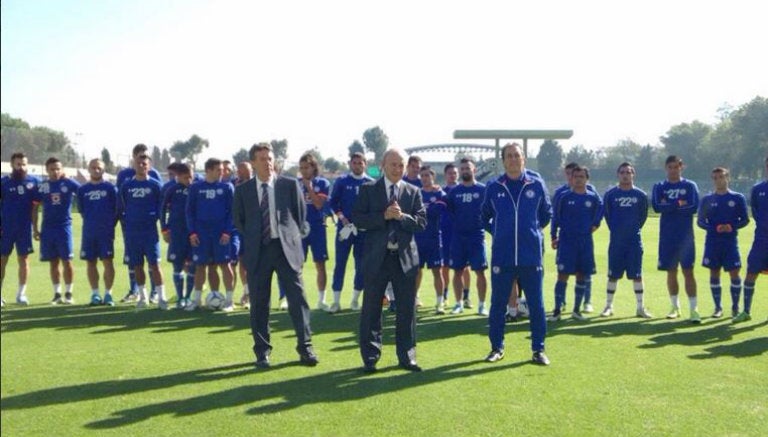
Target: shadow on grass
point(713, 333)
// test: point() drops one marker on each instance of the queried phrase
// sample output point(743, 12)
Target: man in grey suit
point(270, 213)
point(390, 211)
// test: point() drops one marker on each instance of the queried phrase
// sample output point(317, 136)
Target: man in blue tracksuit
point(516, 207)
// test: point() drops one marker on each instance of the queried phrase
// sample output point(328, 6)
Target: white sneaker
point(354, 306)
point(142, 304)
point(578, 316)
point(554, 317)
point(481, 311)
point(588, 308)
point(283, 304)
point(643, 313)
point(335, 308)
point(320, 305)
point(2, 302)
point(192, 305)
point(21, 300)
point(457, 309)
point(68, 299)
point(607, 312)
point(673, 313)
point(162, 304)
point(229, 306)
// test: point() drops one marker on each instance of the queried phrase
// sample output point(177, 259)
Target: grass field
point(77, 370)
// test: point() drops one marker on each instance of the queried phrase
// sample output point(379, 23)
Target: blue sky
point(320, 73)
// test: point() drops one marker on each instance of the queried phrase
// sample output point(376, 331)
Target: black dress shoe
point(369, 367)
point(308, 359)
point(411, 366)
point(262, 362)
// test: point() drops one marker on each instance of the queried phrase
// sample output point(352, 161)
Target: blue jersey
point(415, 181)
point(434, 201)
point(140, 205)
point(173, 215)
point(98, 206)
point(321, 186)
point(625, 213)
point(559, 191)
point(758, 201)
point(209, 207)
point(129, 173)
point(677, 202)
point(446, 222)
point(722, 209)
point(56, 197)
point(578, 213)
point(465, 204)
point(344, 194)
point(18, 197)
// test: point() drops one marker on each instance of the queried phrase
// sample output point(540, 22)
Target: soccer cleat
point(229, 306)
point(607, 312)
point(742, 317)
point(162, 304)
point(68, 299)
point(674, 313)
point(142, 304)
point(578, 316)
point(245, 301)
point(509, 318)
point(540, 358)
point(192, 305)
point(419, 304)
point(494, 356)
point(643, 313)
point(481, 310)
point(130, 297)
point(95, 300)
point(334, 308)
point(354, 305)
point(440, 309)
point(320, 305)
point(718, 313)
point(2, 302)
point(695, 317)
point(56, 299)
point(181, 303)
point(283, 304)
point(153, 298)
point(468, 304)
point(457, 309)
point(554, 317)
point(588, 308)
point(108, 301)
point(21, 300)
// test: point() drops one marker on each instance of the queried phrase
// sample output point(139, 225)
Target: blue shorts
point(141, 246)
point(235, 248)
point(318, 241)
point(624, 257)
point(674, 252)
point(723, 254)
point(179, 248)
point(210, 250)
point(21, 238)
point(445, 248)
point(97, 246)
point(56, 243)
point(429, 253)
point(757, 261)
point(576, 255)
point(468, 251)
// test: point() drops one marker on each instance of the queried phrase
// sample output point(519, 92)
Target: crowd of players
point(195, 217)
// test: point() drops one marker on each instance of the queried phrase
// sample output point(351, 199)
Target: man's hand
point(166, 236)
point(724, 229)
point(194, 240)
point(224, 239)
point(555, 242)
point(393, 212)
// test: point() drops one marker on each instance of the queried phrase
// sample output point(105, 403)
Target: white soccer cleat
point(162, 304)
point(320, 305)
point(192, 305)
point(142, 304)
point(354, 305)
point(607, 312)
point(674, 313)
point(643, 313)
point(481, 310)
point(229, 306)
point(588, 308)
point(283, 304)
point(334, 308)
point(21, 300)
point(457, 309)
point(578, 316)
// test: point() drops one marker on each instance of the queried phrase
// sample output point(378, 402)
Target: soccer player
point(722, 213)
point(316, 190)
point(209, 219)
point(140, 206)
point(468, 239)
point(348, 239)
point(56, 246)
point(757, 261)
point(123, 176)
point(173, 222)
point(97, 202)
point(625, 209)
point(517, 207)
point(578, 213)
point(413, 171)
point(451, 175)
point(19, 202)
point(677, 199)
point(428, 241)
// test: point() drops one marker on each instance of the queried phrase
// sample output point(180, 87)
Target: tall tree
point(356, 147)
point(376, 141)
point(582, 156)
point(750, 127)
point(156, 157)
point(240, 156)
point(106, 157)
point(332, 164)
point(165, 158)
point(280, 149)
point(189, 149)
point(550, 159)
point(686, 140)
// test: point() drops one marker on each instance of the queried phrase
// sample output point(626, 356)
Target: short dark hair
point(466, 160)
point(139, 148)
point(17, 155)
point(571, 165)
point(414, 158)
point(580, 168)
point(310, 159)
point(509, 146)
point(51, 160)
point(180, 168)
point(258, 147)
point(622, 165)
point(673, 158)
point(357, 155)
point(722, 170)
point(143, 157)
point(448, 166)
point(427, 168)
point(212, 163)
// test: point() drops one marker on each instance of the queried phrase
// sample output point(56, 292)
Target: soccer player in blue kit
point(19, 201)
point(625, 208)
point(316, 190)
point(97, 202)
point(140, 206)
point(348, 239)
point(56, 246)
point(209, 219)
point(468, 240)
point(757, 261)
point(578, 213)
point(722, 213)
point(173, 222)
point(428, 241)
point(677, 200)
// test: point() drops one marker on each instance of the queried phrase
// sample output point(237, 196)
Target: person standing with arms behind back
point(677, 199)
point(270, 213)
point(390, 211)
point(757, 261)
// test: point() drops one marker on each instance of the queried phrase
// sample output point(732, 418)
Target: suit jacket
point(368, 215)
point(292, 223)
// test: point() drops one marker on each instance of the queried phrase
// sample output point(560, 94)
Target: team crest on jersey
point(317, 189)
point(219, 191)
point(560, 267)
point(529, 194)
point(731, 203)
point(496, 270)
point(195, 258)
point(588, 204)
point(683, 191)
point(127, 259)
point(55, 198)
point(705, 261)
point(172, 257)
point(30, 185)
point(64, 189)
point(476, 195)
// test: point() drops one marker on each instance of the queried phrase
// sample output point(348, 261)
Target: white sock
point(639, 295)
point(160, 290)
point(440, 299)
point(108, 291)
point(482, 304)
point(512, 310)
point(142, 293)
point(675, 300)
point(336, 297)
point(56, 288)
point(355, 295)
point(693, 303)
point(95, 292)
point(68, 288)
point(22, 290)
point(197, 295)
point(245, 289)
point(230, 295)
point(321, 293)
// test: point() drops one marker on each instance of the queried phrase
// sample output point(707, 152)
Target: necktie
point(392, 235)
point(266, 234)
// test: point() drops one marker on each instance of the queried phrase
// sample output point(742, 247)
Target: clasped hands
point(393, 212)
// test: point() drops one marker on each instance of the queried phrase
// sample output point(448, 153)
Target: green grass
point(76, 370)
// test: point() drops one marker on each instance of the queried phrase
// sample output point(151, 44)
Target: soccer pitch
point(80, 370)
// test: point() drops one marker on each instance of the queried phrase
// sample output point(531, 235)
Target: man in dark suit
point(270, 213)
point(390, 210)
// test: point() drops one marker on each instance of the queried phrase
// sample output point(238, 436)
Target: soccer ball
point(214, 301)
point(522, 307)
